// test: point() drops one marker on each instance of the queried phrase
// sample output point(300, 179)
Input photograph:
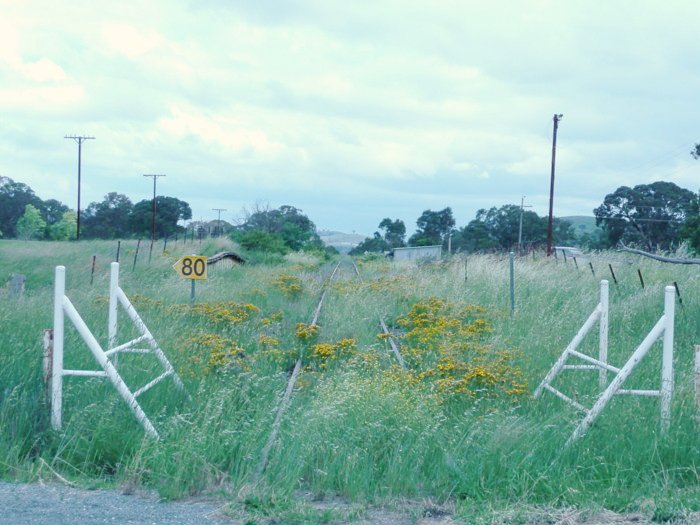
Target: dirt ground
point(51, 503)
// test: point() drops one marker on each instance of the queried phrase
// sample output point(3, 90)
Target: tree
point(648, 214)
point(52, 211)
point(372, 245)
point(65, 229)
point(169, 210)
point(109, 219)
point(261, 241)
point(499, 228)
point(695, 152)
point(394, 232)
point(288, 223)
point(433, 228)
point(14, 197)
point(30, 225)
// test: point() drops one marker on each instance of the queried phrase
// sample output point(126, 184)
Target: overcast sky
point(350, 110)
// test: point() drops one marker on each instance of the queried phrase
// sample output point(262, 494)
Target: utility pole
point(218, 221)
point(520, 228)
point(79, 139)
point(153, 212)
point(555, 120)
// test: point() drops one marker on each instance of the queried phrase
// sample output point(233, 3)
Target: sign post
point(192, 267)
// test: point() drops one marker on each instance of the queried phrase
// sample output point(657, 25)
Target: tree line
point(656, 216)
point(26, 216)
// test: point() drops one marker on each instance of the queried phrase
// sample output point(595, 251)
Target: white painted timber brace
point(663, 329)
point(63, 307)
point(599, 315)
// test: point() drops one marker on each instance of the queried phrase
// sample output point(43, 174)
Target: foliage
point(358, 427)
point(393, 237)
point(286, 223)
point(444, 345)
point(647, 214)
point(261, 241)
point(53, 212)
point(65, 229)
point(30, 225)
point(499, 228)
point(433, 228)
point(169, 210)
point(109, 219)
point(14, 198)
point(375, 244)
point(394, 232)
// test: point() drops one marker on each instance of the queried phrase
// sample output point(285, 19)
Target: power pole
point(79, 139)
point(520, 228)
point(153, 213)
point(556, 120)
point(218, 221)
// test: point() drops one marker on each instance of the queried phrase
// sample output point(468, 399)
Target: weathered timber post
point(48, 364)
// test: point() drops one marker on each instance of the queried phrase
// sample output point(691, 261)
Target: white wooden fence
point(64, 308)
point(663, 329)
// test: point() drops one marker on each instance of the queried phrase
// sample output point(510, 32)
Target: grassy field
point(457, 426)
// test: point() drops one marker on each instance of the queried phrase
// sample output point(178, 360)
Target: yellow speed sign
point(192, 267)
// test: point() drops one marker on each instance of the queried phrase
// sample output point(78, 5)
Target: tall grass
point(358, 426)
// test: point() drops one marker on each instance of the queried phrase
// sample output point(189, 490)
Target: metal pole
point(192, 292)
point(92, 272)
point(556, 120)
point(520, 227)
point(512, 283)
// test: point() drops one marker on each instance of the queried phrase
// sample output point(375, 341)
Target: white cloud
point(219, 130)
point(322, 102)
point(129, 40)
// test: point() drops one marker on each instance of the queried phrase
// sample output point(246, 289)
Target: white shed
point(414, 253)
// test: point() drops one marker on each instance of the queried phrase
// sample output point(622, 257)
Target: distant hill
point(343, 242)
point(582, 224)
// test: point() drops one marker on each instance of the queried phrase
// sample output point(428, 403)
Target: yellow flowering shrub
point(306, 332)
point(322, 354)
point(289, 285)
point(444, 344)
point(212, 352)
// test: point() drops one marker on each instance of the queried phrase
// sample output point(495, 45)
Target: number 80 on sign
point(192, 267)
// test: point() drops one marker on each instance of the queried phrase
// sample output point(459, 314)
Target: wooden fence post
point(48, 364)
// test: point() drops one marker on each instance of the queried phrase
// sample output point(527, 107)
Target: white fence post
point(667, 359)
point(603, 337)
point(57, 361)
point(113, 311)
point(64, 308)
point(663, 329)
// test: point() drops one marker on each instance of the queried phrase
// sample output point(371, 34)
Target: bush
point(261, 241)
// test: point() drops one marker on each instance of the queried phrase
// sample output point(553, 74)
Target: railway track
point(286, 398)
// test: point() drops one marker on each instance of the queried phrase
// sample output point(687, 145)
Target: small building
point(225, 260)
point(416, 253)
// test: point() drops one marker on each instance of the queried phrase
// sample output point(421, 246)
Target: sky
point(349, 111)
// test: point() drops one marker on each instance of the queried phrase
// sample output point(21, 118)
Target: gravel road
point(36, 504)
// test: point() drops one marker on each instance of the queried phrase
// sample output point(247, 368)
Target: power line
point(79, 139)
point(218, 222)
point(555, 120)
point(153, 214)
